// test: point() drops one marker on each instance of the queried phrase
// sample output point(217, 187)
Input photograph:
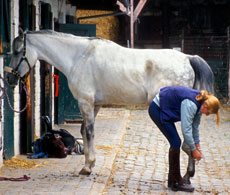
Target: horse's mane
point(60, 34)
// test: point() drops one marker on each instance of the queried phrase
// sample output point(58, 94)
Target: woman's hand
point(197, 155)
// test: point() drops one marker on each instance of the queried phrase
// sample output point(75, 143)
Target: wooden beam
point(121, 6)
point(228, 42)
point(133, 17)
point(138, 9)
point(131, 24)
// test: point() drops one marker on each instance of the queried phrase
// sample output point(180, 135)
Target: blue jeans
point(167, 128)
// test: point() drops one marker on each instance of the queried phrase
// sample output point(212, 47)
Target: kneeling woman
point(178, 103)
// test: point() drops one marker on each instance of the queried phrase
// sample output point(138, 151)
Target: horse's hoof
point(186, 179)
point(84, 171)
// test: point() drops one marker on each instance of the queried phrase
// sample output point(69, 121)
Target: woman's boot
point(175, 181)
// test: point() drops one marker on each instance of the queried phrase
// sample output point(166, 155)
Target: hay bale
point(106, 27)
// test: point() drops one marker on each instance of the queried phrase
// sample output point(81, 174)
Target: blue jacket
point(171, 99)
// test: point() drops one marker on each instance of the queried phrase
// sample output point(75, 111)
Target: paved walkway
point(132, 158)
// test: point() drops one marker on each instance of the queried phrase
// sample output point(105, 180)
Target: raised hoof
point(186, 179)
point(183, 188)
point(85, 172)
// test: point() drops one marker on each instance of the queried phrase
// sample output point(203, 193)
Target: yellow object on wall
point(106, 27)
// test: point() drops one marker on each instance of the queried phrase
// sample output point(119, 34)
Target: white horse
point(100, 72)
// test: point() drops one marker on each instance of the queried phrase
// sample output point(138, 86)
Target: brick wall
point(214, 50)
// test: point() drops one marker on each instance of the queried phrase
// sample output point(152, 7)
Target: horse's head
point(19, 64)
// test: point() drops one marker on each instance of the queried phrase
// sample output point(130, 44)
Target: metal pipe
point(131, 24)
point(228, 42)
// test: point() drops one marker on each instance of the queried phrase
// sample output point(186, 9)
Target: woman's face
point(204, 109)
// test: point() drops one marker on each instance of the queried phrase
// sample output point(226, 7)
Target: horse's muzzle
point(11, 77)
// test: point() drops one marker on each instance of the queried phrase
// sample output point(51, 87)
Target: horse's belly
point(121, 96)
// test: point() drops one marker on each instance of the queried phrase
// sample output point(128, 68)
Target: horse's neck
point(54, 50)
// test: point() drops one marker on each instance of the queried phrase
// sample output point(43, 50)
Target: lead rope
point(24, 178)
point(3, 91)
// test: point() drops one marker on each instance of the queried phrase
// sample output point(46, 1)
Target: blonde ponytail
point(202, 96)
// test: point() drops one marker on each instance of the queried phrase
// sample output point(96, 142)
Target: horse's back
point(119, 75)
point(127, 76)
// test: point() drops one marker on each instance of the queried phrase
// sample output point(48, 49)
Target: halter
point(22, 79)
point(15, 70)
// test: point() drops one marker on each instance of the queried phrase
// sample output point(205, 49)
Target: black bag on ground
point(66, 138)
point(48, 145)
point(54, 146)
point(70, 142)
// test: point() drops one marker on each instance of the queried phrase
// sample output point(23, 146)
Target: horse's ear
point(21, 33)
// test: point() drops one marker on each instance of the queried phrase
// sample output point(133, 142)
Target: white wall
point(14, 29)
point(59, 9)
point(14, 32)
point(2, 119)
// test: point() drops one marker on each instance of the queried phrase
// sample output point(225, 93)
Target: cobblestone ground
point(141, 166)
point(132, 158)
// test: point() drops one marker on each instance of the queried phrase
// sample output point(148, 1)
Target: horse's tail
point(204, 77)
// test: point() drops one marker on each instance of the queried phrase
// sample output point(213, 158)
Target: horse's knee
point(82, 129)
point(89, 132)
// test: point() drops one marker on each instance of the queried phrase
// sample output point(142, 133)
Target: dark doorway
point(27, 13)
point(46, 69)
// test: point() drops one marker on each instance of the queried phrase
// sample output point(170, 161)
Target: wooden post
point(131, 25)
point(228, 40)
point(133, 16)
point(138, 9)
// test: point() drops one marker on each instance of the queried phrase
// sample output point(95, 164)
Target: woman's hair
point(213, 104)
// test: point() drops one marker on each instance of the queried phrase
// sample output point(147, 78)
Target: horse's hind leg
point(191, 164)
point(87, 131)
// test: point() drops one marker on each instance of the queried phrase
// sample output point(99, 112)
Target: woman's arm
point(195, 127)
point(189, 120)
point(188, 112)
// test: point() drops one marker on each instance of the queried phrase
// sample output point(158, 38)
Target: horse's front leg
point(88, 138)
point(87, 131)
point(191, 164)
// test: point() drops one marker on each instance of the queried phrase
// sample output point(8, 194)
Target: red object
point(24, 178)
point(56, 79)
